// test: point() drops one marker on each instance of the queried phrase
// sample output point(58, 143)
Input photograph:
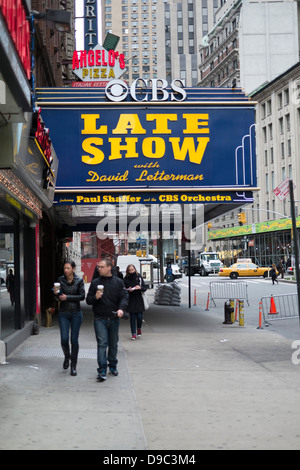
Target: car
point(244, 269)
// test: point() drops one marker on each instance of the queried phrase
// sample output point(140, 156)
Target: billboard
point(152, 140)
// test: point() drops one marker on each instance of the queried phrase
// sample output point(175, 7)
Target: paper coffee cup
point(100, 288)
point(56, 288)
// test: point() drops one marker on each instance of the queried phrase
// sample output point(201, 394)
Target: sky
point(79, 24)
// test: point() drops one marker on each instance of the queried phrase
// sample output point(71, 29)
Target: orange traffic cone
point(273, 307)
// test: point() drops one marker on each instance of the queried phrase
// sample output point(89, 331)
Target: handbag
point(145, 300)
point(144, 296)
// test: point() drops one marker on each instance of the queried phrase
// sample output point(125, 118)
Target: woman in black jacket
point(135, 286)
point(70, 315)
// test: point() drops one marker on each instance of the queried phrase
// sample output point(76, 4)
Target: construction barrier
point(278, 307)
point(228, 290)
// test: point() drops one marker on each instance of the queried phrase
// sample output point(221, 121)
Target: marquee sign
point(191, 145)
point(98, 64)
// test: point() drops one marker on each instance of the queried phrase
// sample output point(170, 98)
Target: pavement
point(190, 383)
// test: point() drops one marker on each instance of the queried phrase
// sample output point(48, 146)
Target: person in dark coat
point(273, 274)
point(280, 268)
point(135, 286)
point(109, 304)
point(72, 292)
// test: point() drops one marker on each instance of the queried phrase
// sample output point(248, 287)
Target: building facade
point(259, 56)
point(28, 167)
point(159, 38)
point(245, 53)
point(267, 235)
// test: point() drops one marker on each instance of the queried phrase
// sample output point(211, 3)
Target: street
point(257, 288)
point(189, 383)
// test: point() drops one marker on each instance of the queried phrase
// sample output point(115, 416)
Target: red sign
point(90, 84)
point(283, 189)
point(14, 15)
point(42, 135)
point(97, 58)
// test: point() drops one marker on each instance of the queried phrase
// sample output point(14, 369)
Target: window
point(286, 97)
point(281, 128)
point(264, 130)
point(270, 131)
point(289, 147)
point(282, 149)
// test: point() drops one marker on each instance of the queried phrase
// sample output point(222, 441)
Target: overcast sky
point(79, 24)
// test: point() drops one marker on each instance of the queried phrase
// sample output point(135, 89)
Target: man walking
point(107, 295)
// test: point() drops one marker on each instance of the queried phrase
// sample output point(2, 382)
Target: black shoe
point(73, 370)
point(101, 377)
point(113, 371)
point(66, 363)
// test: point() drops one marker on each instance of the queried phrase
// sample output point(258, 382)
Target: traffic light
point(242, 218)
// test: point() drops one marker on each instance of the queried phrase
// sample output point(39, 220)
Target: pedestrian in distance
point(280, 268)
point(10, 285)
point(69, 291)
point(273, 274)
point(109, 300)
point(135, 285)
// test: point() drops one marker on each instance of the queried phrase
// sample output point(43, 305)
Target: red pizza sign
point(98, 64)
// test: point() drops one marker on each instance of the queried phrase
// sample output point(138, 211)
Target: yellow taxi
point(244, 269)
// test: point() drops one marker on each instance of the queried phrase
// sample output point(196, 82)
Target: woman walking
point(71, 292)
point(135, 286)
point(273, 274)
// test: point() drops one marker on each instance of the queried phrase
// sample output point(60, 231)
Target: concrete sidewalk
point(190, 383)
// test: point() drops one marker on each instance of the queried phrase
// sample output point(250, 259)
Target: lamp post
point(296, 247)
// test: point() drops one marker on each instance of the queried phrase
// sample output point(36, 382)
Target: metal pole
point(296, 247)
point(189, 264)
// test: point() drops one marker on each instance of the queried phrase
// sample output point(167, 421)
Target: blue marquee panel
point(170, 146)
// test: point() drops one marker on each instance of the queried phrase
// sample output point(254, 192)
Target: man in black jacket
point(113, 297)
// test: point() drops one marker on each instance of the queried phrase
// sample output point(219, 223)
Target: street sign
point(282, 191)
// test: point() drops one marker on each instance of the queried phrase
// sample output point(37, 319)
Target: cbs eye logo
point(116, 90)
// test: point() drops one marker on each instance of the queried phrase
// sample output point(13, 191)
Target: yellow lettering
point(103, 73)
point(193, 122)
point(188, 146)
point(87, 146)
point(96, 73)
point(89, 124)
point(154, 147)
point(129, 148)
point(94, 176)
point(129, 122)
point(162, 121)
point(85, 72)
point(111, 74)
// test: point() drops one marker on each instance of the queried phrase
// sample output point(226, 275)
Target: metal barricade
point(279, 307)
point(228, 290)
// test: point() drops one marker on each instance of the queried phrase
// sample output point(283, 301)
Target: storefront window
point(7, 288)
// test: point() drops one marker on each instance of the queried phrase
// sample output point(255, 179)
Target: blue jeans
point(66, 321)
point(107, 336)
point(136, 320)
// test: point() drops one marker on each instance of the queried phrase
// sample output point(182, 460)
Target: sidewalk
point(190, 383)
